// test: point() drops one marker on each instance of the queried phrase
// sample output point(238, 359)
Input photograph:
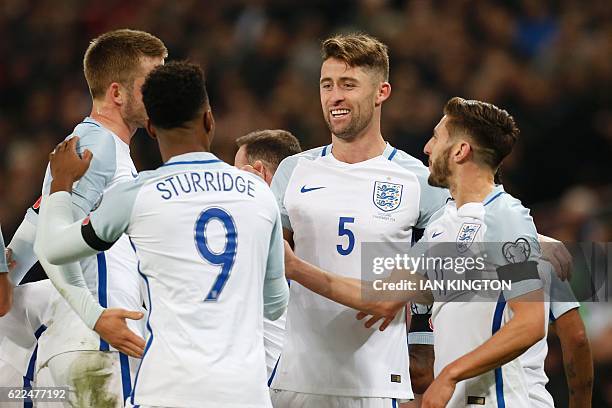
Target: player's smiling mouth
point(338, 113)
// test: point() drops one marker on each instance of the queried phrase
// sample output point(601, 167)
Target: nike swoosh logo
point(435, 234)
point(135, 175)
point(306, 190)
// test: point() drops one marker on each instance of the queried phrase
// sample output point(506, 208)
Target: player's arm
point(524, 329)
point(276, 290)
point(577, 357)
point(60, 241)
point(420, 348)
point(349, 291)
point(22, 246)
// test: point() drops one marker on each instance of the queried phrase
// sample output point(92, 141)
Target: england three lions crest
point(387, 196)
point(467, 234)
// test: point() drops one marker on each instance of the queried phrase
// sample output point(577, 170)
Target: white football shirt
point(111, 276)
point(208, 238)
point(332, 208)
point(496, 229)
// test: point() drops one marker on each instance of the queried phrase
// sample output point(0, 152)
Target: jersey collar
point(476, 210)
point(388, 153)
point(192, 158)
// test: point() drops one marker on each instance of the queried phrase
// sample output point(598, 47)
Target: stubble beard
point(440, 171)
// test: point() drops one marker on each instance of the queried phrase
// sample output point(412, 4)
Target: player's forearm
point(67, 278)
point(63, 241)
point(276, 297)
point(6, 294)
point(577, 358)
point(22, 247)
point(522, 331)
point(347, 291)
point(69, 281)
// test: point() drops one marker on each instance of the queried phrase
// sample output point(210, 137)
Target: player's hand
point(439, 392)
point(6, 294)
point(8, 253)
point(256, 169)
point(112, 327)
point(556, 253)
point(375, 319)
point(66, 164)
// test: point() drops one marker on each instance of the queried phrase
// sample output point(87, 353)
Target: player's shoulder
point(95, 138)
point(289, 163)
point(409, 163)
point(506, 215)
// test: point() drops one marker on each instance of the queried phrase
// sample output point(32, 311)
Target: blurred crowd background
point(549, 63)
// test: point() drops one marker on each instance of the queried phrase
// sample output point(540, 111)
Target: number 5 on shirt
point(225, 259)
point(343, 231)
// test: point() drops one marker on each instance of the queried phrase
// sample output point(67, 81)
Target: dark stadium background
point(547, 62)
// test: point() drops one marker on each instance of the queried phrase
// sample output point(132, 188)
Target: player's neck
point(471, 186)
point(179, 141)
point(358, 149)
point(112, 120)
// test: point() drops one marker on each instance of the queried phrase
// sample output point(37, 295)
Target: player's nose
point(427, 148)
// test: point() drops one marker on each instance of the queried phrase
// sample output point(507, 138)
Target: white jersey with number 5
point(333, 207)
point(208, 239)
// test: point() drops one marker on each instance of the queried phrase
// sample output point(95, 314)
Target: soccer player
point(476, 357)
point(332, 198)
point(268, 147)
point(115, 65)
point(209, 242)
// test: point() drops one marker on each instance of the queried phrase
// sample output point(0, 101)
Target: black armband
point(517, 272)
point(90, 237)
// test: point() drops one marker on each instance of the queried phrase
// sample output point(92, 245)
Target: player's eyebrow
point(341, 79)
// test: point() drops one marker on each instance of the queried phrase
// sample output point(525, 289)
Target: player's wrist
point(451, 373)
point(61, 184)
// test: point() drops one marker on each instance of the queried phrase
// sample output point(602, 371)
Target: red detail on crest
point(431, 324)
point(86, 220)
point(36, 205)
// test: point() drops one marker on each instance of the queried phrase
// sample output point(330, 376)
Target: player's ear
point(209, 121)
point(384, 91)
point(462, 151)
point(114, 91)
point(267, 175)
point(150, 129)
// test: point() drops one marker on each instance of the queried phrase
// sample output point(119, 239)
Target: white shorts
point(93, 378)
point(290, 399)
point(12, 378)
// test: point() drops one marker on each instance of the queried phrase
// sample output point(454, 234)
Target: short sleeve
point(562, 298)
point(511, 245)
point(279, 186)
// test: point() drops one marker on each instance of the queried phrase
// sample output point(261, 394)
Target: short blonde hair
point(358, 50)
point(115, 57)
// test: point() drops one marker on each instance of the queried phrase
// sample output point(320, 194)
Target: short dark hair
point(492, 129)
point(358, 50)
point(270, 146)
point(115, 57)
point(174, 94)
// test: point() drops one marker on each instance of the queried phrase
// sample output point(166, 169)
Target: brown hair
point(270, 146)
point(115, 57)
point(492, 129)
point(358, 50)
